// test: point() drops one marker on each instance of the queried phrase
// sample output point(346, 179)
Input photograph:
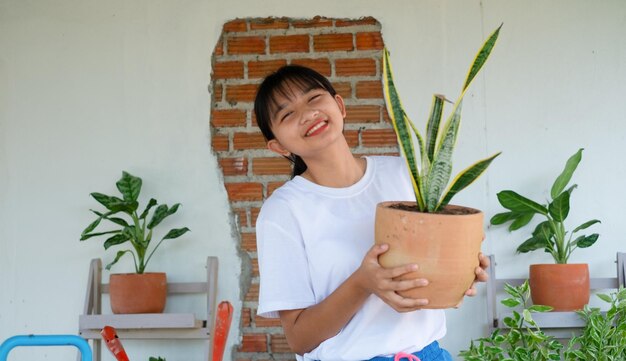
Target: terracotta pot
point(445, 246)
point(138, 293)
point(562, 286)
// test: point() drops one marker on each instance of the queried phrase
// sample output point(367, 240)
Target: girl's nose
point(309, 115)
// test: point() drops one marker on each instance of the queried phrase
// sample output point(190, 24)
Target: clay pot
point(562, 286)
point(138, 293)
point(444, 246)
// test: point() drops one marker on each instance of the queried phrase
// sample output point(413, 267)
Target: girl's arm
point(306, 328)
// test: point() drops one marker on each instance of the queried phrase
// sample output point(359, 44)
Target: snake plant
point(431, 178)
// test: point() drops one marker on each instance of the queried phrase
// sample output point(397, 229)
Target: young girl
point(319, 271)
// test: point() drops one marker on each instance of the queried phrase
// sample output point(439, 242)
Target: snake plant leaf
point(432, 128)
point(129, 186)
point(517, 203)
point(176, 232)
point(565, 176)
point(117, 258)
point(465, 178)
point(422, 147)
point(504, 217)
point(115, 240)
point(521, 221)
point(586, 225)
point(151, 203)
point(87, 236)
point(396, 113)
point(531, 244)
point(559, 207)
point(588, 241)
point(481, 57)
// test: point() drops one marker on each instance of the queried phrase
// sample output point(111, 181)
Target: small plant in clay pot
point(549, 282)
point(443, 239)
point(140, 292)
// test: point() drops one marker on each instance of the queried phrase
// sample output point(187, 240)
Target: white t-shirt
point(311, 238)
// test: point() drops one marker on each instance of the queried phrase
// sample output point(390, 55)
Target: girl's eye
point(314, 97)
point(285, 116)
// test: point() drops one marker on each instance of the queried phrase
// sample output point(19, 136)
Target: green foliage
point(604, 336)
point(549, 234)
point(431, 179)
point(156, 359)
point(522, 341)
point(136, 228)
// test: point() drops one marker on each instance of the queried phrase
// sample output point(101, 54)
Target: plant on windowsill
point(443, 239)
point(549, 282)
point(139, 292)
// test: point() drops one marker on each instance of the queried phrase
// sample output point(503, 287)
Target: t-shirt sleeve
point(285, 282)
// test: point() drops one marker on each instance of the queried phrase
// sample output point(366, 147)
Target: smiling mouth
point(314, 129)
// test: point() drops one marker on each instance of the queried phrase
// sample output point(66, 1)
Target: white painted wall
point(88, 88)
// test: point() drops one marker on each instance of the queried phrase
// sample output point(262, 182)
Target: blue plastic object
point(46, 340)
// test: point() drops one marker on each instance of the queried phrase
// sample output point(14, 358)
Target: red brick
point(248, 241)
point(269, 23)
point(246, 45)
point(379, 138)
point(217, 92)
point(369, 90)
point(271, 166)
point(242, 216)
point(254, 263)
point(363, 113)
point(219, 48)
point(278, 343)
point(363, 21)
point(244, 191)
point(289, 44)
point(350, 67)
point(260, 69)
point(235, 25)
point(333, 42)
point(241, 93)
point(253, 292)
point(343, 89)
point(234, 166)
point(228, 117)
point(271, 187)
point(266, 322)
point(322, 66)
point(254, 342)
point(246, 317)
point(220, 142)
point(248, 141)
point(228, 70)
point(352, 137)
point(369, 41)
point(316, 22)
point(254, 213)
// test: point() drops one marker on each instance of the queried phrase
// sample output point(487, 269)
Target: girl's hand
point(375, 279)
point(481, 275)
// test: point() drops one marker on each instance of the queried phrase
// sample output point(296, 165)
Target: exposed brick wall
point(348, 52)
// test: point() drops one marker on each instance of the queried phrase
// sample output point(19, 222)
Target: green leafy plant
point(523, 340)
point(433, 175)
point(604, 336)
point(156, 359)
point(137, 229)
point(549, 234)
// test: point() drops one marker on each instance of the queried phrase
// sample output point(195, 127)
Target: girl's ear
point(341, 104)
point(275, 146)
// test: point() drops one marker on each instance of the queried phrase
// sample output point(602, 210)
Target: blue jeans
point(431, 352)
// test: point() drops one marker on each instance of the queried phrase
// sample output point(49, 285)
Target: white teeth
point(316, 127)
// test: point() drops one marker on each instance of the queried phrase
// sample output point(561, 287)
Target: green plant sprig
point(430, 180)
point(139, 230)
point(549, 234)
point(523, 340)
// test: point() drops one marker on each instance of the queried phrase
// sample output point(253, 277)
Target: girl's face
point(306, 122)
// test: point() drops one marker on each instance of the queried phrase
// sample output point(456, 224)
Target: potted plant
point(443, 239)
point(549, 282)
point(138, 292)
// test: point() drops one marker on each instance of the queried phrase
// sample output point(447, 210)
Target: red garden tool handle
point(223, 320)
point(109, 335)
